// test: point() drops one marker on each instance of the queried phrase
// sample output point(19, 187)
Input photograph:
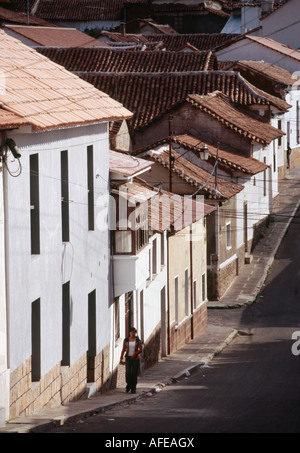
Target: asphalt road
point(253, 386)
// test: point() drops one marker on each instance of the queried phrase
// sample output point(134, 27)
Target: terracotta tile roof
point(275, 101)
point(183, 7)
point(126, 165)
point(202, 41)
point(55, 36)
point(165, 210)
point(118, 61)
point(197, 177)
point(220, 108)
point(9, 120)
point(187, 46)
point(164, 29)
point(46, 95)
point(14, 17)
point(276, 46)
point(279, 75)
point(112, 9)
point(121, 38)
point(236, 5)
point(85, 10)
point(234, 160)
point(137, 91)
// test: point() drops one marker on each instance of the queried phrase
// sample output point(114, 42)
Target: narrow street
point(252, 386)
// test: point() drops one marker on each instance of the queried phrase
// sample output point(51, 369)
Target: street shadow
point(278, 303)
point(241, 391)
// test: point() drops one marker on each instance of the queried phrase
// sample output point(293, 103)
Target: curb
point(64, 419)
point(269, 264)
point(187, 371)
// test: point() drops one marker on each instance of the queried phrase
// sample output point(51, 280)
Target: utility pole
point(27, 12)
point(170, 152)
point(216, 169)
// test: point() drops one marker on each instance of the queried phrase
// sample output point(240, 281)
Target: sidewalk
point(248, 284)
point(200, 351)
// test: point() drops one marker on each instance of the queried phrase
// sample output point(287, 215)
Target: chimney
point(123, 28)
point(266, 6)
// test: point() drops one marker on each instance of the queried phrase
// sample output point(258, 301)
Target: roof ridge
point(227, 121)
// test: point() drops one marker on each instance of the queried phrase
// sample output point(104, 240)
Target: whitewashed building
point(56, 263)
point(285, 85)
point(282, 23)
point(158, 262)
point(4, 371)
point(260, 48)
point(139, 259)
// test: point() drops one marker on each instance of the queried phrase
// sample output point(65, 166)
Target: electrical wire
point(16, 173)
point(30, 65)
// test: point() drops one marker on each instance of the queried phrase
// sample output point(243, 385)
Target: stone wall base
point(151, 354)
point(219, 281)
point(60, 385)
point(190, 328)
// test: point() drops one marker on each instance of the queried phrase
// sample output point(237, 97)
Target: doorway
point(128, 312)
point(163, 334)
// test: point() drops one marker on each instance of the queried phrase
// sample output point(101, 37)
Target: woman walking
point(132, 348)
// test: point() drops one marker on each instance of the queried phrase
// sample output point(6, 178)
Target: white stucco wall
point(266, 154)
point(84, 261)
point(255, 51)
point(293, 96)
point(283, 24)
point(258, 205)
point(250, 18)
point(4, 372)
point(146, 288)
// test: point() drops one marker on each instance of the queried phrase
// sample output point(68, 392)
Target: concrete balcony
point(130, 271)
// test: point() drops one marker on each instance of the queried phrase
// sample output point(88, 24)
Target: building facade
point(55, 257)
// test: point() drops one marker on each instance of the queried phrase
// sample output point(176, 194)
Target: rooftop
point(9, 120)
point(269, 43)
point(279, 75)
point(134, 25)
point(247, 165)
point(55, 36)
point(137, 91)
point(192, 174)
point(126, 165)
point(165, 209)
point(45, 94)
point(96, 60)
point(85, 10)
point(201, 41)
point(276, 46)
point(14, 17)
point(221, 109)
